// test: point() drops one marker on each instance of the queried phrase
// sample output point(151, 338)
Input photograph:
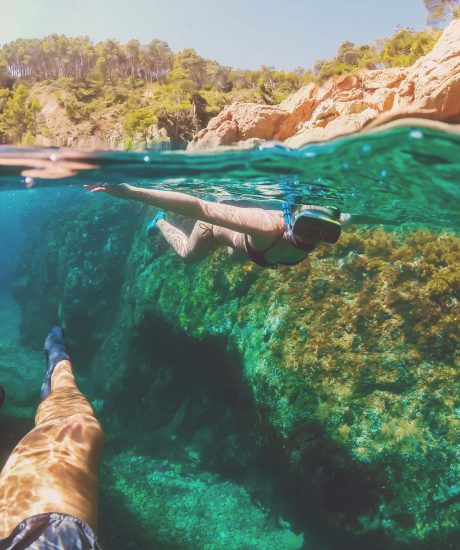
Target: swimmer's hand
point(121, 190)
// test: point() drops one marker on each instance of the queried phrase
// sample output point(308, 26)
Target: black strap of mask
point(288, 231)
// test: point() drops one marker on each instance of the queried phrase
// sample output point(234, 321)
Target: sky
point(240, 33)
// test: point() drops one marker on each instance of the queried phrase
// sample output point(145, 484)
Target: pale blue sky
point(240, 33)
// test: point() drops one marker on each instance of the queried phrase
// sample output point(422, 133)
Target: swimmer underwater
point(268, 237)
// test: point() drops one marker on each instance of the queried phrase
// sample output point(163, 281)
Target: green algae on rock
point(78, 257)
point(351, 359)
point(167, 500)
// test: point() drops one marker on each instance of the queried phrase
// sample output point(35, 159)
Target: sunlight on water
point(396, 175)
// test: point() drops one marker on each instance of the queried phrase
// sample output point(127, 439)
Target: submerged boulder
point(167, 499)
point(429, 89)
point(350, 361)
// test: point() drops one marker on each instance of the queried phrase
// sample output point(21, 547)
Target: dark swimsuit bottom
point(51, 531)
point(258, 256)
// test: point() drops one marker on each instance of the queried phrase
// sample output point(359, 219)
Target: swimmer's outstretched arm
point(243, 220)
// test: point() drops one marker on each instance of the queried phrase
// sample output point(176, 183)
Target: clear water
point(399, 175)
point(185, 456)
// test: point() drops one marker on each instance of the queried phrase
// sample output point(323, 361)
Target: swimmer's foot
point(56, 351)
point(151, 226)
point(2, 396)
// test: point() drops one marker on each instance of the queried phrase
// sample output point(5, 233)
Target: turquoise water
point(399, 175)
point(314, 407)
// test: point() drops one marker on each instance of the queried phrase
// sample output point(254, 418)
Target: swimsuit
point(258, 256)
point(51, 531)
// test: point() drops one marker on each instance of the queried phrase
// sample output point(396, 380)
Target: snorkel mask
point(312, 226)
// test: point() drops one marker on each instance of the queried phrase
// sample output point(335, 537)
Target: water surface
point(396, 175)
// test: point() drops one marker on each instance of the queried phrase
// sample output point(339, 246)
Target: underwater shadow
point(185, 400)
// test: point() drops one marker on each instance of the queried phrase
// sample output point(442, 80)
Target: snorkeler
point(48, 486)
point(267, 237)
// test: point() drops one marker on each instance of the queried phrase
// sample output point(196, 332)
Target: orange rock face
point(428, 89)
point(240, 122)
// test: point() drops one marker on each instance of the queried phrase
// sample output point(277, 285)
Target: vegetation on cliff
point(60, 88)
point(401, 50)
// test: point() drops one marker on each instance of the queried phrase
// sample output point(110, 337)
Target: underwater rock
point(351, 361)
point(21, 370)
point(77, 259)
point(429, 89)
point(180, 508)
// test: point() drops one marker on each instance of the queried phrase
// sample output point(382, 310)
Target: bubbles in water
point(146, 159)
point(29, 182)
point(416, 134)
point(366, 148)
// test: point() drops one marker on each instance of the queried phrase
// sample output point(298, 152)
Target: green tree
point(4, 74)
point(100, 72)
point(81, 58)
point(192, 65)
point(133, 54)
point(157, 60)
point(218, 76)
point(4, 96)
point(180, 86)
point(114, 59)
point(406, 46)
point(139, 122)
point(20, 116)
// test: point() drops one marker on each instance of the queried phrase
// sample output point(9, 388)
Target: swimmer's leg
point(198, 245)
point(54, 467)
point(230, 238)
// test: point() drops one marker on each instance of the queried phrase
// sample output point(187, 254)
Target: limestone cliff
point(428, 89)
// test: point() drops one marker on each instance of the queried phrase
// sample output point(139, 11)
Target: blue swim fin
point(151, 226)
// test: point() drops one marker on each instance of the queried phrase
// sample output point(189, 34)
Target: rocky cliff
point(428, 89)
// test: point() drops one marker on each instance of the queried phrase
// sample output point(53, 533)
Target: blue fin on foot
point(151, 226)
point(56, 350)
